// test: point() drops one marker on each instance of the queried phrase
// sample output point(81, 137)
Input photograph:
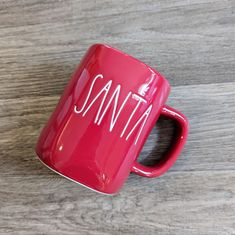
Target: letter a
point(104, 90)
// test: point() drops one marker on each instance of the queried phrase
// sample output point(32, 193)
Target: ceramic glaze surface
point(103, 119)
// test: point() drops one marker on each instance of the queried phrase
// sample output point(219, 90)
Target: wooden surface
point(192, 43)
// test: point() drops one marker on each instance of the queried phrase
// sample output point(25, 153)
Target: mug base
point(68, 178)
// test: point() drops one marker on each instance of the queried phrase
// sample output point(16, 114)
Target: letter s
point(88, 96)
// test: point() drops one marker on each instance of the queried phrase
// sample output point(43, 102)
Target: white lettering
point(140, 99)
point(89, 93)
point(145, 117)
point(114, 118)
point(104, 90)
point(115, 113)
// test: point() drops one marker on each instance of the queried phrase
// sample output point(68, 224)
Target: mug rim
point(107, 46)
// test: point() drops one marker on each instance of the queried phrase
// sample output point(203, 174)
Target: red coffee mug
point(103, 119)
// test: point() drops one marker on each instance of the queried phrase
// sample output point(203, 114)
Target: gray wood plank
point(177, 203)
point(41, 42)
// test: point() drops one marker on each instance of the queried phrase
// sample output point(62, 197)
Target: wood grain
point(177, 203)
point(192, 43)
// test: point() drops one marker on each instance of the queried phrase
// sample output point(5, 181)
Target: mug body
point(103, 119)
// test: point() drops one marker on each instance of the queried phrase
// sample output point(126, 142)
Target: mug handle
point(172, 155)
